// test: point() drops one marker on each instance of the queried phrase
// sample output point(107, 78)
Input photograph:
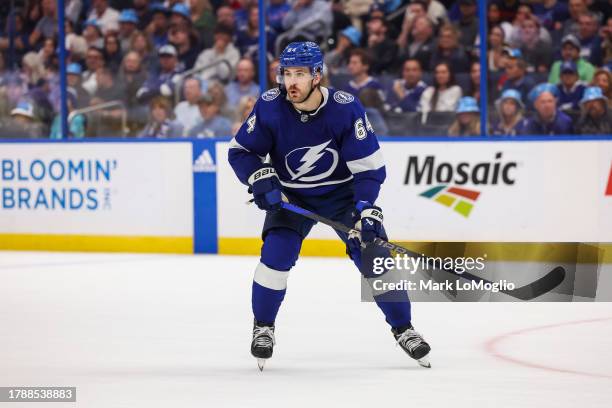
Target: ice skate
point(263, 343)
point(413, 344)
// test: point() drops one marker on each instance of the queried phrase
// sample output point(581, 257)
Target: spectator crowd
point(549, 67)
point(188, 68)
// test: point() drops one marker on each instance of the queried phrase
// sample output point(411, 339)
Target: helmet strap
point(312, 89)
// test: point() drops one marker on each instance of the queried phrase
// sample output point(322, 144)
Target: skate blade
point(261, 362)
point(424, 362)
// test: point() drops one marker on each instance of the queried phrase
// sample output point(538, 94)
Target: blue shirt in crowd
point(215, 127)
point(569, 99)
point(560, 125)
point(410, 101)
point(234, 92)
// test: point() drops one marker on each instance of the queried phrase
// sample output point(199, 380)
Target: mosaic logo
point(446, 176)
point(430, 171)
point(461, 200)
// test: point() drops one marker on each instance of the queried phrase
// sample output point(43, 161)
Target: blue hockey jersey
point(314, 153)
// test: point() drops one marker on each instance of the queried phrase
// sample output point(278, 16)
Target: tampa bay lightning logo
point(311, 163)
point(270, 94)
point(343, 97)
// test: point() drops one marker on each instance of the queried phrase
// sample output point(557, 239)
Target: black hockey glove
point(368, 219)
point(266, 189)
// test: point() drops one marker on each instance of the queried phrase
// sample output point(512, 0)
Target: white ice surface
point(174, 331)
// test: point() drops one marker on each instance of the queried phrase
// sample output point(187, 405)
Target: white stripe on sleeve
point(372, 162)
point(235, 145)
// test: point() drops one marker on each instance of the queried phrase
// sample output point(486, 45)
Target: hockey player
point(323, 156)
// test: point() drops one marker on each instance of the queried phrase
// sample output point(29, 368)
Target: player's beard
point(300, 97)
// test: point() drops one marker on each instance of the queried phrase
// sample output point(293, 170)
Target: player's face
point(298, 82)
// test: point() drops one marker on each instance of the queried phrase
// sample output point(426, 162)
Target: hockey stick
point(531, 291)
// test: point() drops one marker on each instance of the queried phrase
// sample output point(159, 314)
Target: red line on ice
point(491, 348)
point(609, 188)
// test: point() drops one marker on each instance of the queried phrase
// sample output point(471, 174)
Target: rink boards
point(182, 197)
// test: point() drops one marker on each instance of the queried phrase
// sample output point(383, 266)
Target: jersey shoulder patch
point(343, 97)
point(270, 94)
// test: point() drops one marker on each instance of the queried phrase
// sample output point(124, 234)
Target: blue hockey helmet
point(302, 54)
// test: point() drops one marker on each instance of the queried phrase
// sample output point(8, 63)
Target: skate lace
point(263, 336)
point(409, 339)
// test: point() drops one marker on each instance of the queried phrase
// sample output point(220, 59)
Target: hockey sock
point(396, 307)
point(278, 255)
point(395, 304)
point(266, 303)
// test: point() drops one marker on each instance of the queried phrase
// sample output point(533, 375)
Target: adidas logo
point(204, 163)
point(461, 200)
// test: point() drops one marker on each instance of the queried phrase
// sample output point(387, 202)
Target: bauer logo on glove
point(368, 220)
point(266, 189)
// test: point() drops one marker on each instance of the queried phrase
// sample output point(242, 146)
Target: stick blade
point(543, 285)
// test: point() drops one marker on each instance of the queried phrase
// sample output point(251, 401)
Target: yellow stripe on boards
point(252, 246)
point(96, 243)
point(559, 252)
